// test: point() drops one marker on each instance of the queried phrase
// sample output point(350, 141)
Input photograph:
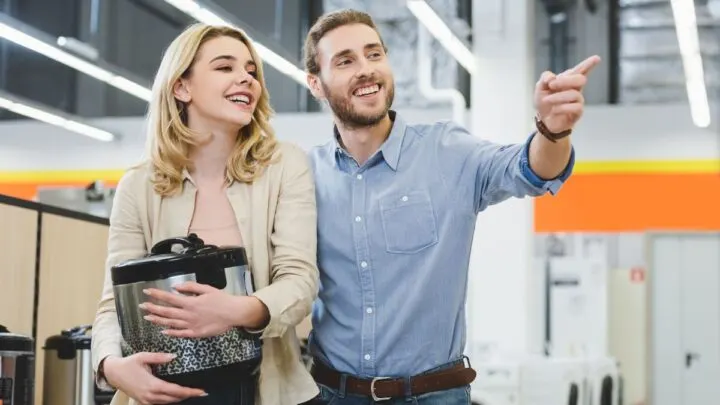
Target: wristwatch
point(552, 136)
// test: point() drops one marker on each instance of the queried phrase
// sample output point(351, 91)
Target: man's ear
point(181, 91)
point(316, 89)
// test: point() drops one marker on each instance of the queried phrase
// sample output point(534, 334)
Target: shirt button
point(358, 219)
point(359, 176)
point(367, 357)
point(404, 198)
point(363, 264)
point(369, 310)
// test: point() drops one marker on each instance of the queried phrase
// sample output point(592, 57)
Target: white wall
point(606, 133)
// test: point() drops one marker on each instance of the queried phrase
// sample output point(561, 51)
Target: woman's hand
point(210, 312)
point(133, 376)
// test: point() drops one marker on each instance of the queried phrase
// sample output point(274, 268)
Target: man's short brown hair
point(327, 23)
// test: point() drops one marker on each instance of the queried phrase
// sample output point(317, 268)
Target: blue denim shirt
point(394, 240)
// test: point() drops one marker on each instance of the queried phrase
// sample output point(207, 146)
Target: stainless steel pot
point(17, 369)
point(68, 374)
point(199, 362)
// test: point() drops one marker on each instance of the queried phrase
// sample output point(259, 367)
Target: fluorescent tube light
point(45, 114)
point(204, 14)
point(437, 27)
point(18, 33)
point(689, 43)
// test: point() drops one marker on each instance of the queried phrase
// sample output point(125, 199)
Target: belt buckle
point(372, 389)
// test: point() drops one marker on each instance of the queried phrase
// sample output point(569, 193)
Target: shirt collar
point(392, 146)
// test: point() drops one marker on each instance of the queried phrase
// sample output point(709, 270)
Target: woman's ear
point(181, 91)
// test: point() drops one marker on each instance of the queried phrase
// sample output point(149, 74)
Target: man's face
point(355, 76)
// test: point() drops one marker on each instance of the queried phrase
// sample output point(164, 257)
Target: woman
point(216, 169)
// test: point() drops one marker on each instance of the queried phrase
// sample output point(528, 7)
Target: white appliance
point(532, 381)
point(603, 381)
point(577, 307)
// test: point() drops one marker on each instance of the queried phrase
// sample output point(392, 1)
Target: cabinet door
point(685, 274)
point(700, 292)
point(665, 275)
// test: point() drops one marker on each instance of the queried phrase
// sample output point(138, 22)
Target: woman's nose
point(243, 77)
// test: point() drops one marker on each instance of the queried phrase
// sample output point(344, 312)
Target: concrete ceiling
point(651, 69)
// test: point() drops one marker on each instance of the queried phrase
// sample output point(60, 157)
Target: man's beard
point(343, 109)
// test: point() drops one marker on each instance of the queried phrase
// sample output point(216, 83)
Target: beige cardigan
point(277, 217)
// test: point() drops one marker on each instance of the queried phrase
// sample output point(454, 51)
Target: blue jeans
point(454, 396)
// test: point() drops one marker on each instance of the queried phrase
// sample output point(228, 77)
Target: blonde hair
point(168, 137)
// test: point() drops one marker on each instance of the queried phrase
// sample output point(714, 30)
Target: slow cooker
point(68, 374)
point(17, 369)
point(200, 362)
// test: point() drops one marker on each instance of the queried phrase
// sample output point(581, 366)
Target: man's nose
point(365, 68)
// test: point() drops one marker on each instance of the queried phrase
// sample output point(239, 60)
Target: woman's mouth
point(242, 99)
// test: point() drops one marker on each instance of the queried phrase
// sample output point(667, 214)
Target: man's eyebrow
point(346, 52)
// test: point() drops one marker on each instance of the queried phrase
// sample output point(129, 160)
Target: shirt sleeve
point(489, 173)
point(294, 274)
point(126, 240)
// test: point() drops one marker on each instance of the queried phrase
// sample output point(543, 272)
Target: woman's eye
point(224, 69)
point(253, 74)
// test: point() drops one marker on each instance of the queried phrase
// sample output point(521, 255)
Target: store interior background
point(618, 275)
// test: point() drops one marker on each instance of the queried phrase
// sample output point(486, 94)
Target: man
point(397, 205)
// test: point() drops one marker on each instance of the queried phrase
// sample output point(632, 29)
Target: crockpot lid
point(13, 342)
point(75, 338)
point(162, 262)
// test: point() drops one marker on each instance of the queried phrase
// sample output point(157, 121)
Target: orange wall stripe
point(632, 203)
point(601, 196)
point(28, 191)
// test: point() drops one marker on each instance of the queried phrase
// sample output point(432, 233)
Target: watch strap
point(552, 136)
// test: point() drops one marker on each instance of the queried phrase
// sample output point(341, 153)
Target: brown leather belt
point(385, 388)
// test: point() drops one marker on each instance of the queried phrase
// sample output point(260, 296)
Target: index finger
point(175, 390)
point(166, 297)
point(587, 65)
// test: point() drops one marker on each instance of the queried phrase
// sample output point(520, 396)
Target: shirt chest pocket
point(408, 222)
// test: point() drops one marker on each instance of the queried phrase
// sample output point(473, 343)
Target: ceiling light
point(437, 27)
point(689, 43)
point(50, 116)
point(205, 14)
point(29, 38)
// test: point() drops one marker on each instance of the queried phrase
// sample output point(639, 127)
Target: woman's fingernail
point(204, 394)
point(142, 306)
point(146, 291)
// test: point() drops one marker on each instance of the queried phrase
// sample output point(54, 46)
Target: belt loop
point(342, 389)
point(408, 386)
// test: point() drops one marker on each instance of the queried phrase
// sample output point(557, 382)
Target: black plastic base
point(215, 377)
